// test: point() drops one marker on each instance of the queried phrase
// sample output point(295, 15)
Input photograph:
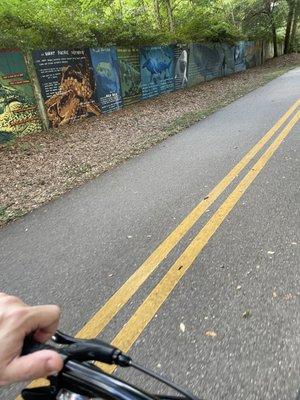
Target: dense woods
point(34, 24)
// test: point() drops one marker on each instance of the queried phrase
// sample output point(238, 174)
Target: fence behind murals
point(52, 88)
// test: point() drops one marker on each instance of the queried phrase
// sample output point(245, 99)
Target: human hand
point(17, 320)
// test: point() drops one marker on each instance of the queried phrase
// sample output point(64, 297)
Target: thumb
point(33, 366)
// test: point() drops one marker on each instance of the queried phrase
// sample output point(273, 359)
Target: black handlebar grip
point(31, 346)
point(92, 350)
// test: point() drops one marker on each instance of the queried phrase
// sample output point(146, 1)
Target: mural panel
point(157, 70)
point(229, 61)
point(205, 63)
point(106, 73)
point(130, 74)
point(239, 57)
point(253, 54)
point(195, 71)
point(181, 58)
point(18, 109)
point(67, 85)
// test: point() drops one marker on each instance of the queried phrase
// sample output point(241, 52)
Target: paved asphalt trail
point(78, 250)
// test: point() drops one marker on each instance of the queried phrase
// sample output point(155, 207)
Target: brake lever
point(62, 338)
point(90, 350)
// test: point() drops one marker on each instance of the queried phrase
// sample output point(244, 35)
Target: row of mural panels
point(75, 84)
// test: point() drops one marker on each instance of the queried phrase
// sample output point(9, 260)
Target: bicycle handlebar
point(82, 350)
point(81, 377)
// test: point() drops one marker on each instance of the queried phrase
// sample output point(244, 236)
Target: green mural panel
point(18, 109)
point(130, 75)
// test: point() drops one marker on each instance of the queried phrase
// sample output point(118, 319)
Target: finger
point(43, 320)
point(7, 300)
point(33, 366)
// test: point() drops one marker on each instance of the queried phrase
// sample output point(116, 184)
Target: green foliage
point(37, 24)
point(255, 17)
point(208, 28)
point(80, 23)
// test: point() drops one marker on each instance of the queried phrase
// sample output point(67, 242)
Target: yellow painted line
point(146, 311)
point(100, 320)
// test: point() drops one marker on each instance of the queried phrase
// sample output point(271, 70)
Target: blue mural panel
point(106, 73)
point(157, 70)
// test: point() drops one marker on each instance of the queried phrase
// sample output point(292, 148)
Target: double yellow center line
point(101, 319)
point(146, 311)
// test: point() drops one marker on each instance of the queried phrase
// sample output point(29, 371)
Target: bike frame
point(90, 381)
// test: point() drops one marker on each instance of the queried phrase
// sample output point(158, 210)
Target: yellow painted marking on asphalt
point(146, 311)
point(100, 320)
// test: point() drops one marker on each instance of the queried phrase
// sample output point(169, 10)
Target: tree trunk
point(157, 13)
point(294, 26)
point(274, 35)
point(290, 18)
point(269, 10)
point(121, 8)
point(170, 16)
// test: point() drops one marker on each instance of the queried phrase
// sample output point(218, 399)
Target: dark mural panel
point(229, 61)
point(267, 51)
point(130, 74)
point(213, 61)
point(67, 85)
point(253, 54)
point(106, 73)
point(205, 63)
point(157, 70)
point(181, 57)
point(195, 70)
point(18, 109)
point(239, 57)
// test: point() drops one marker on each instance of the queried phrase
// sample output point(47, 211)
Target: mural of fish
point(156, 67)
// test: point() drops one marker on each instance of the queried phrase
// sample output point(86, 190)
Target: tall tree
point(270, 7)
point(157, 14)
point(170, 15)
point(262, 18)
point(294, 26)
point(290, 18)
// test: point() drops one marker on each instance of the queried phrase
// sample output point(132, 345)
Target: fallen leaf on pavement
point(210, 333)
point(247, 314)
